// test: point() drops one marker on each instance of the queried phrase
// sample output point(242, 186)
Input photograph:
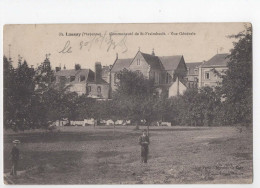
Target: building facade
point(210, 71)
point(162, 69)
point(119, 65)
point(192, 77)
point(84, 81)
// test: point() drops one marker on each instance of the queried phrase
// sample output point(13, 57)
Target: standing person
point(14, 157)
point(95, 123)
point(144, 142)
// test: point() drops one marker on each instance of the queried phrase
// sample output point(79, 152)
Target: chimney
point(77, 67)
point(153, 52)
point(57, 69)
point(98, 71)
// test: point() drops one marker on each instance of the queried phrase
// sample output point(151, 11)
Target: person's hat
point(16, 142)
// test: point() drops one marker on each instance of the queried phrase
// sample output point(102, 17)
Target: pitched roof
point(72, 72)
point(120, 64)
point(193, 65)
point(170, 62)
point(152, 60)
point(217, 60)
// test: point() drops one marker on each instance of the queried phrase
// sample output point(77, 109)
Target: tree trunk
point(136, 126)
point(148, 130)
point(114, 129)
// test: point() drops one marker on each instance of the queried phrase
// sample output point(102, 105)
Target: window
point(157, 79)
point(82, 78)
point(72, 78)
point(99, 92)
point(138, 72)
point(62, 79)
point(89, 89)
point(138, 61)
point(196, 71)
point(207, 76)
point(116, 78)
point(99, 89)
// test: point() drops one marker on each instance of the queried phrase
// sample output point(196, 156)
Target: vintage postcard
point(166, 103)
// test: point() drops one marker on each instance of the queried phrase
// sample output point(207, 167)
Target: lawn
point(84, 155)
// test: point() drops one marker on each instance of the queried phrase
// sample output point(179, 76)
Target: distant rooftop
point(192, 66)
point(170, 62)
point(120, 64)
point(217, 60)
point(152, 60)
point(158, 62)
point(72, 72)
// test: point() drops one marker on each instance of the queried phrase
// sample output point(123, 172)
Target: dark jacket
point(15, 154)
point(144, 141)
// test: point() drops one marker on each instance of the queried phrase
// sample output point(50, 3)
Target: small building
point(177, 88)
point(210, 71)
point(76, 80)
point(84, 81)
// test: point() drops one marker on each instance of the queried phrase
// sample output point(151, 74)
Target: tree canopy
point(237, 83)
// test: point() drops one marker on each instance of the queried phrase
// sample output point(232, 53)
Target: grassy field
point(84, 155)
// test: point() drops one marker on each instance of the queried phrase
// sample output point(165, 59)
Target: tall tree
point(9, 92)
point(44, 75)
point(136, 96)
point(23, 93)
point(237, 83)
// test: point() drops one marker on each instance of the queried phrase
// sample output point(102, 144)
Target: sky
point(85, 44)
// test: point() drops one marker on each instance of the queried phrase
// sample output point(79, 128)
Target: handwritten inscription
point(109, 42)
point(67, 48)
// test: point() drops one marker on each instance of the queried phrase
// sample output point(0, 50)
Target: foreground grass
point(83, 155)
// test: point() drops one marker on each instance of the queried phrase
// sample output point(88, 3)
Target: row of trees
point(31, 100)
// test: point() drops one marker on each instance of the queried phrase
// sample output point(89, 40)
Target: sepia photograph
point(141, 103)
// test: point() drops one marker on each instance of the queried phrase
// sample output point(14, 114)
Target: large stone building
point(84, 81)
point(210, 71)
point(163, 69)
